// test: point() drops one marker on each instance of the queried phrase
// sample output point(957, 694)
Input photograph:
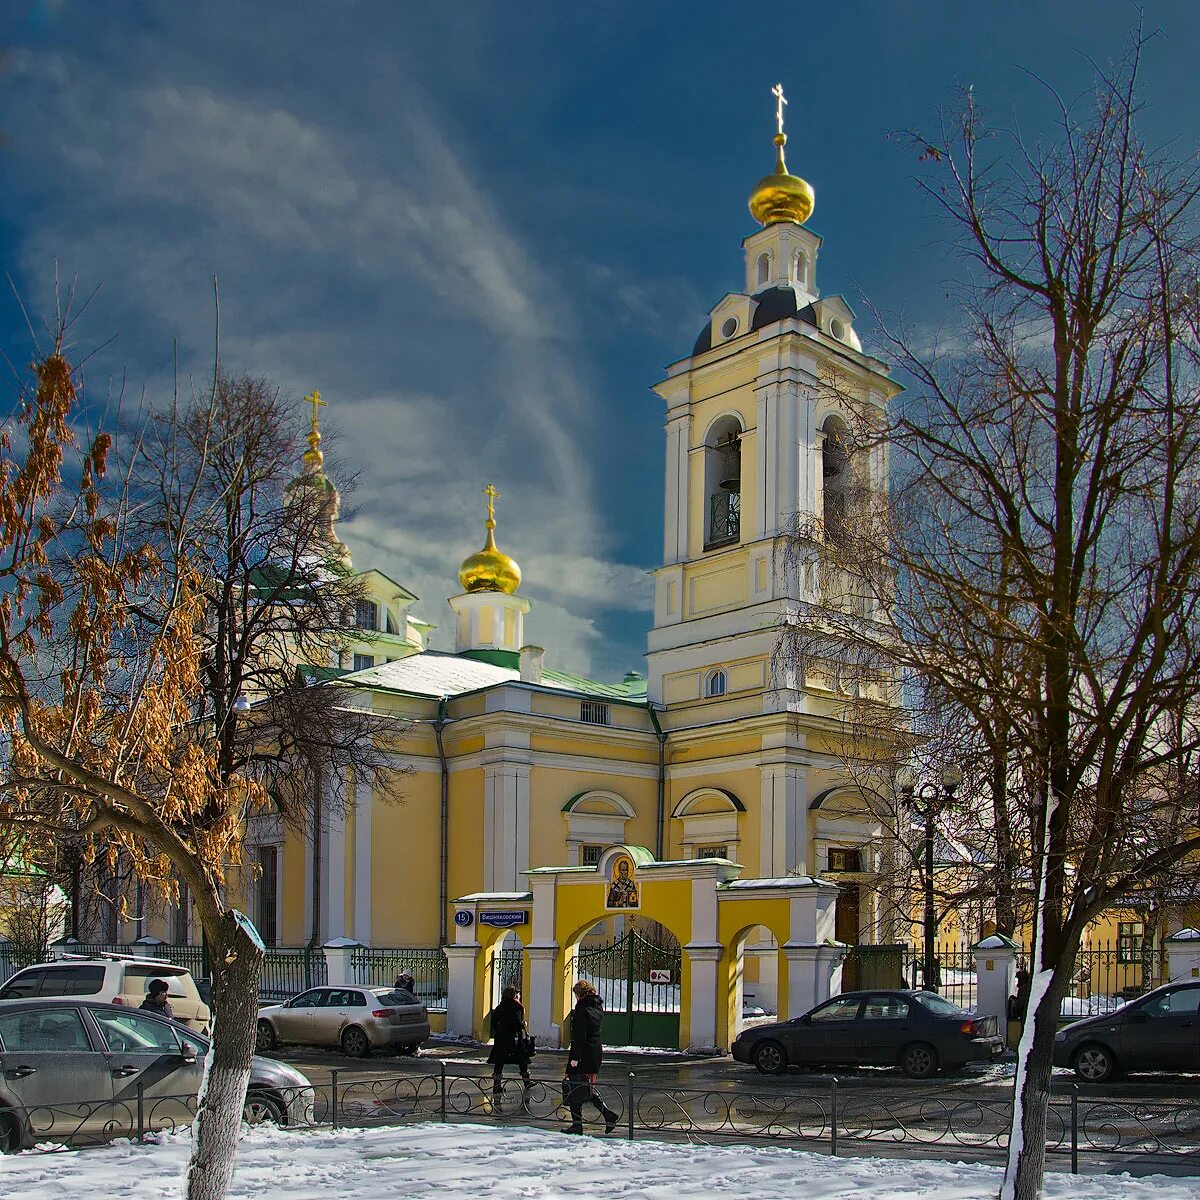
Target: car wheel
point(261, 1109)
point(919, 1061)
point(1095, 1063)
point(265, 1041)
point(355, 1043)
point(770, 1058)
point(10, 1133)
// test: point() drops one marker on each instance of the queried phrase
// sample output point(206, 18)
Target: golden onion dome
point(780, 196)
point(489, 569)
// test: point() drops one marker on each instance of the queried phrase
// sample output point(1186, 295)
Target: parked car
point(358, 1019)
point(922, 1032)
point(1159, 1031)
point(70, 1069)
point(114, 979)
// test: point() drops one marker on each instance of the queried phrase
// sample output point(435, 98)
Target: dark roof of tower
point(774, 304)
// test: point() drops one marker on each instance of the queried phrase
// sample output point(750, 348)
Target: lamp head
point(952, 776)
point(906, 780)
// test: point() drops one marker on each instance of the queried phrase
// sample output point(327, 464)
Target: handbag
point(529, 1046)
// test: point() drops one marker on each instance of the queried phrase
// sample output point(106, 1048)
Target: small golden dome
point(780, 196)
point(490, 570)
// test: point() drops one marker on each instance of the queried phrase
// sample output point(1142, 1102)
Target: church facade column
point(506, 801)
point(363, 800)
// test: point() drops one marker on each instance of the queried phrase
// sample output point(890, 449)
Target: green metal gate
point(639, 983)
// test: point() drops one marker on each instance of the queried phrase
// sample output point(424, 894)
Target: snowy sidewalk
point(471, 1162)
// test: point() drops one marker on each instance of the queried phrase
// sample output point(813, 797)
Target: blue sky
point(481, 230)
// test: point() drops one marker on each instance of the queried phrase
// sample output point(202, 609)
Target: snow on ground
point(472, 1162)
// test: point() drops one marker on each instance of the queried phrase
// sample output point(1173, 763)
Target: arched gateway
point(702, 902)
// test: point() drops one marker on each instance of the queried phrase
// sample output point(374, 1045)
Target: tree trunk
point(235, 965)
point(1026, 1163)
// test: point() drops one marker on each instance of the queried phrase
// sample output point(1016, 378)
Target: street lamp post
point(927, 801)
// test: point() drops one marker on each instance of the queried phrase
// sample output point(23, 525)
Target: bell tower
point(751, 439)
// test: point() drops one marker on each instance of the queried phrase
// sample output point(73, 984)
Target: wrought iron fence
point(507, 964)
point(377, 967)
point(286, 973)
point(1106, 973)
point(925, 1117)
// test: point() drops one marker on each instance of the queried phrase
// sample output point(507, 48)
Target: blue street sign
point(505, 918)
point(464, 917)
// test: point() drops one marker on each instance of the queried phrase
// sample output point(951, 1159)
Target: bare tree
point(133, 614)
point(1037, 563)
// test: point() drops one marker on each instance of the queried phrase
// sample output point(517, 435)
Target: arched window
point(801, 269)
point(715, 683)
point(764, 269)
point(723, 483)
point(837, 478)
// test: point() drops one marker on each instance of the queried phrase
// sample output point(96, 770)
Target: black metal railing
point(377, 967)
point(724, 519)
point(927, 1117)
point(1106, 974)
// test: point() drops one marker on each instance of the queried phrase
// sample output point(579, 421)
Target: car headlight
point(1061, 1036)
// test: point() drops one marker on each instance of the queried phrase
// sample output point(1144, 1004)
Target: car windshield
point(938, 1005)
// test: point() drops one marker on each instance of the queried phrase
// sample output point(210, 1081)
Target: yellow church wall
point(404, 885)
point(609, 749)
point(294, 920)
point(466, 832)
point(550, 788)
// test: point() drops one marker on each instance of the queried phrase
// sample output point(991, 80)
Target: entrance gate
point(506, 971)
point(639, 983)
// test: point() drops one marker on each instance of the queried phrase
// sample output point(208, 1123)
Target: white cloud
point(451, 358)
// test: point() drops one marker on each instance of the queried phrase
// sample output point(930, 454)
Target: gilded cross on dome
point(314, 398)
point(780, 101)
point(491, 493)
point(313, 458)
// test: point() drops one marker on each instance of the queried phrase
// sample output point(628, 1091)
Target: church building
point(718, 752)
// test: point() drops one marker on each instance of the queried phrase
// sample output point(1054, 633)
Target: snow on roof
point(435, 674)
point(787, 881)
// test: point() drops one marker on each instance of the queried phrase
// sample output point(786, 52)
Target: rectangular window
point(363, 661)
point(267, 860)
point(589, 856)
point(1129, 941)
point(366, 614)
point(594, 712)
point(715, 851)
point(845, 860)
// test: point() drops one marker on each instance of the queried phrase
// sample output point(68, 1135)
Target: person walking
point(510, 1038)
point(583, 1059)
point(156, 999)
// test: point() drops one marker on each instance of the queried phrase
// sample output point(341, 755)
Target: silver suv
point(113, 979)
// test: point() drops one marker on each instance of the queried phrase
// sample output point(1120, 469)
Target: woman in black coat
point(583, 1059)
point(509, 1038)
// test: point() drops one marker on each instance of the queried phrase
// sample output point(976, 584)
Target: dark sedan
point(919, 1031)
point(77, 1070)
point(1157, 1032)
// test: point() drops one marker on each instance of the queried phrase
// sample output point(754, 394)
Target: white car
point(112, 979)
point(358, 1019)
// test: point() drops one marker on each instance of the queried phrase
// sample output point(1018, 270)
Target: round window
point(837, 329)
point(729, 328)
